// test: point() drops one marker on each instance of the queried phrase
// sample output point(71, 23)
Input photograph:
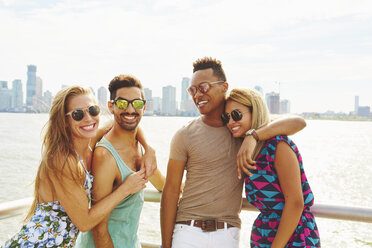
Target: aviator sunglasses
point(203, 87)
point(236, 115)
point(78, 114)
point(124, 103)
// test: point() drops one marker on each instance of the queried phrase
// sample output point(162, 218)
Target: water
point(337, 159)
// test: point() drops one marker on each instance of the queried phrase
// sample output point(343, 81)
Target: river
point(337, 160)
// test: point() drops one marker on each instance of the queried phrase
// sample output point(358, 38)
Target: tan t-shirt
point(212, 188)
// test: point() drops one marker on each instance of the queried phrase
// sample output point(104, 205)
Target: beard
point(126, 125)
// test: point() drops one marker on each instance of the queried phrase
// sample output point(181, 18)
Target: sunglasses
point(124, 103)
point(203, 87)
point(236, 115)
point(78, 114)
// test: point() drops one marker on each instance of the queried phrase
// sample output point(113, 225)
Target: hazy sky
point(320, 51)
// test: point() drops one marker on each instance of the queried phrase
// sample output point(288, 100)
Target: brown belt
point(206, 225)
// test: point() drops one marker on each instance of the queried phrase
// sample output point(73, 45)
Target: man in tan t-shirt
point(207, 215)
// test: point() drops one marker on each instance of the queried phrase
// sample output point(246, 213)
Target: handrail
point(13, 208)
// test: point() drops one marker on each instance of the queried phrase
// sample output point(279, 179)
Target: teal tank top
point(124, 219)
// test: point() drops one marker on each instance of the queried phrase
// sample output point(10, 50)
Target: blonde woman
point(63, 182)
point(278, 186)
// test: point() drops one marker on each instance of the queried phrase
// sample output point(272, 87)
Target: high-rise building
point(149, 101)
point(48, 97)
point(37, 100)
point(39, 87)
point(157, 102)
point(285, 106)
point(169, 105)
point(148, 94)
point(259, 89)
point(273, 102)
point(5, 96)
point(3, 85)
point(31, 84)
point(17, 95)
point(102, 96)
point(356, 105)
point(364, 111)
point(184, 95)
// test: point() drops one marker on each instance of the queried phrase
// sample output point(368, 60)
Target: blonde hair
point(260, 112)
point(57, 147)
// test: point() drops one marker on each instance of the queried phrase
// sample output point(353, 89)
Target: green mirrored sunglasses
point(124, 103)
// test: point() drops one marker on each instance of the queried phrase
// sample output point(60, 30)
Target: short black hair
point(214, 64)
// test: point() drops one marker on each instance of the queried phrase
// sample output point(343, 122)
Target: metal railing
point(13, 208)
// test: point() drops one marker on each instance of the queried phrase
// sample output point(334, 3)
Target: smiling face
point(129, 118)
point(87, 127)
point(240, 127)
point(213, 100)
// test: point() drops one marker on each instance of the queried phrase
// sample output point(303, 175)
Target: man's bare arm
point(169, 200)
point(158, 180)
point(149, 158)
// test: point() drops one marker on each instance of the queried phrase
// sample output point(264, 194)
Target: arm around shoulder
point(288, 125)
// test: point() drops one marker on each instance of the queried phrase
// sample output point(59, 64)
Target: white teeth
point(88, 127)
point(202, 102)
point(234, 128)
point(129, 117)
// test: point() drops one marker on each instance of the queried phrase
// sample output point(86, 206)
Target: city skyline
point(168, 104)
point(318, 54)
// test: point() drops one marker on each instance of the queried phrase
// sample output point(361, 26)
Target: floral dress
point(50, 225)
point(264, 192)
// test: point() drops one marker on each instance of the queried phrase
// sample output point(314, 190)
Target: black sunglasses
point(236, 115)
point(123, 104)
point(78, 114)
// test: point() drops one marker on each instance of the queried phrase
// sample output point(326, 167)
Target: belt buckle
point(209, 225)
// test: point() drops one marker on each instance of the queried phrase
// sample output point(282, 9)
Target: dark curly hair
point(214, 64)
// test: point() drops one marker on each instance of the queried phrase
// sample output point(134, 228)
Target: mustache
point(126, 113)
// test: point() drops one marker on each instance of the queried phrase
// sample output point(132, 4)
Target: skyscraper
point(356, 105)
point(184, 95)
point(48, 97)
point(259, 89)
point(148, 94)
point(31, 84)
point(285, 106)
point(5, 96)
point(3, 85)
point(157, 102)
point(273, 102)
point(37, 100)
point(149, 101)
point(102, 96)
point(17, 95)
point(169, 105)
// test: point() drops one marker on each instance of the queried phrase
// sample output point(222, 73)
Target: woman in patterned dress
point(278, 187)
point(62, 185)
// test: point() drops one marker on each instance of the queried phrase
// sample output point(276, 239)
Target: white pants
point(185, 236)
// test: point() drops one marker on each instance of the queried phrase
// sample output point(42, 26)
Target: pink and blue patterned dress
point(50, 225)
point(263, 191)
